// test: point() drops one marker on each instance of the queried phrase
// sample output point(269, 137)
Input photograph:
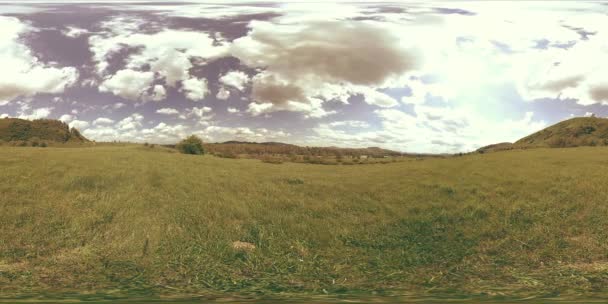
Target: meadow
point(129, 220)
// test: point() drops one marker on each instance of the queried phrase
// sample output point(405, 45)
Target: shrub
point(227, 154)
point(43, 144)
point(294, 181)
point(191, 145)
point(34, 141)
point(272, 160)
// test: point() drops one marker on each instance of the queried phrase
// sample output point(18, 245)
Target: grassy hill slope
point(137, 221)
point(14, 129)
point(574, 132)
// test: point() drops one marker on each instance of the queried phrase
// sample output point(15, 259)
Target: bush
point(228, 154)
point(43, 144)
point(191, 145)
point(272, 160)
point(294, 181)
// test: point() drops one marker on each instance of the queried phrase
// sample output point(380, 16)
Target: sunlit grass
point(144, 221)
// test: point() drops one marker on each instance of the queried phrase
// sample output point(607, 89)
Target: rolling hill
point(277, 148)
point(41, 130)
point(575, 132)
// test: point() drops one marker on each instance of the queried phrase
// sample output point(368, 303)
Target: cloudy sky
point(443, 76)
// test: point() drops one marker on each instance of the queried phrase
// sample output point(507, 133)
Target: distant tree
point(191, 145)
point(338, 156)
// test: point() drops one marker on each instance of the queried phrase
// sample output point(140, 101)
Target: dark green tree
point(191, 145)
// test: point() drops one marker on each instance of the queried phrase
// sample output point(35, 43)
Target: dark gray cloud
point(230, 28)
point(564, 83)
point(599, 93)
point(300, 59)
point(353, 52)
point(276, 92)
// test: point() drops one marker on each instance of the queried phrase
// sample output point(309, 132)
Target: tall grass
point(144, 221)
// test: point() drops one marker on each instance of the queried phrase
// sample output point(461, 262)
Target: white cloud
point(79, 124)
point(223, 94)
point(168, 51)
point(221, 133)
point(22, 73)
point(167, 111)
point(158, 93)
point(164, 132)
point(35, 114)
point(67, 118)
point(128, 84)
point(471, 55)
point(233, 110)
point(200, 113)
point(131, 122)
point(380, 99)
point(350, 123)
point(575, 73)
point(236, 79)
point(104, 133)
point(429, 130)
point(103, 121)
point(118, 105)
point(74, 32)
point(311, 109)
point(131, 129)
point(259, 108)
point(170, 54)
point(195, 89)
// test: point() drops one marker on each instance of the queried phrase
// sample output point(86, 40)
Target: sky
point(431, 77)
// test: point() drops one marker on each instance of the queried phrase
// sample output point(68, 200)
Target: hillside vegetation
point(275, 152)
point(23, 132)
point(132, 220)
point(575, 132)
point(252, 149)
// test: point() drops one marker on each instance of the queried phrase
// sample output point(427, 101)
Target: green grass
point(140, 221)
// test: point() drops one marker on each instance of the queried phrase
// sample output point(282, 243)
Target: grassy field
point(131, 220)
